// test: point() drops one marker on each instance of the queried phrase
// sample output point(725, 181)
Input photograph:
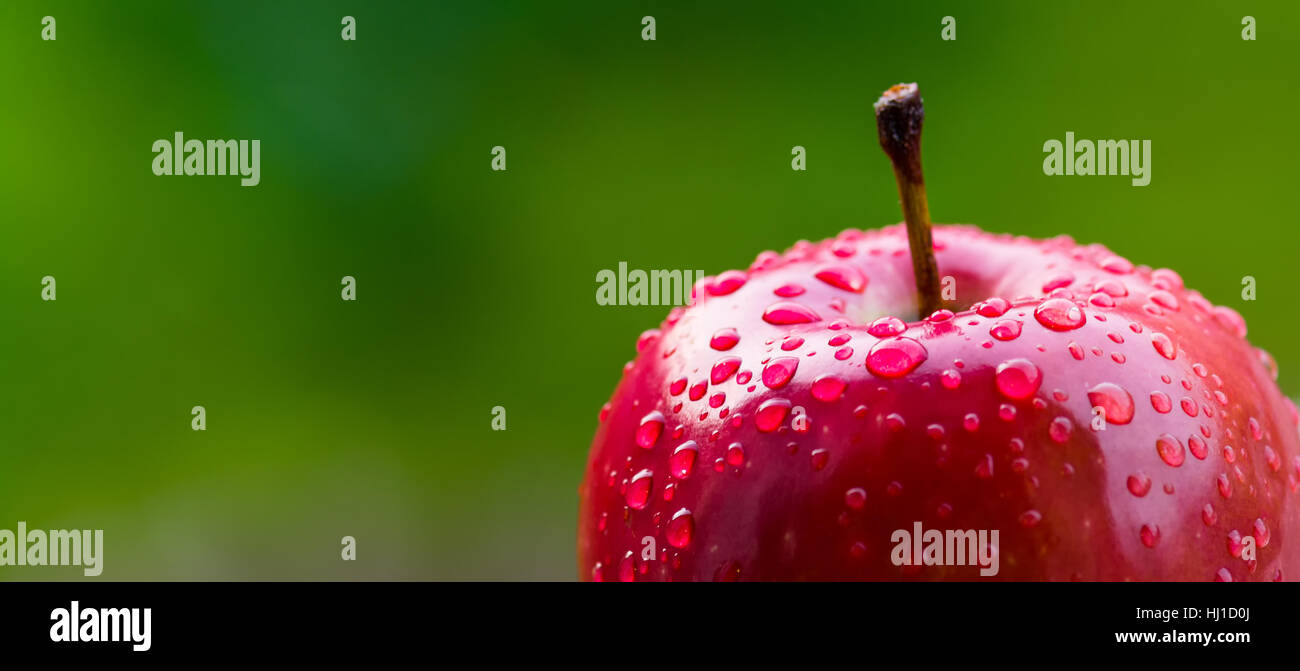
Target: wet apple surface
point(1110, 422)
point(1106, 421)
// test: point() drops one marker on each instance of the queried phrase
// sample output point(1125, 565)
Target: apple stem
point(899, 114)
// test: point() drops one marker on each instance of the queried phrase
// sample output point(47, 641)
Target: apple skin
point(819, 497)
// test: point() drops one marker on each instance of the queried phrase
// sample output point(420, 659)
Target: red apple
point(1107, 421)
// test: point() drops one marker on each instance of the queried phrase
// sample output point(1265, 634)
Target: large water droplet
point(1163, 345)
point(648, 432)
point(724, 339)
point(638, 490)
point(736, 454)
point(789, 312)
point(777, 373)
point(847, 278)
point(1018, 378)
point(1114, 400)
point(1164, 299)
point(1005, 329)
point(1117, 264)
point(1064, 279)
point(992, 307)
point(771, 414)
point(828, 388)
point(727, 282)
point(723, 369)
point(886, 327)
point(682, 461)
point(1170, 449)
point(681, 529)
point(1059, 314)
point(896, 357)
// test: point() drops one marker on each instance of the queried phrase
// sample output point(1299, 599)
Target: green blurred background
point(476, 288)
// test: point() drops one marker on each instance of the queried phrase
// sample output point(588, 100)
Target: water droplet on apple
point(1170, 449)
point(771, 413)
point(1262, 534)
point(648, 432)
point(1114, 400)
point(736, 454)
point(1117, 264)
point(1164, 299)
point(787, 312)
point(723, 369)
point(992, 307)
point(727, 282)
point(638, 490)
point(1235, 543)
point(896, 357)
point(1150, 535)
point(1005, 329)
point(1059, 430)
point(724, 339)
point(886, 327)
point(777, 373)
point(1160, 401)
point(682, 461)
point(681, 529)
point(1059, 314)
point(855, 498)
point(847, 278)
point(1064, 279)
point(828, 388)
point(1018, 379)
point(1139, 484)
